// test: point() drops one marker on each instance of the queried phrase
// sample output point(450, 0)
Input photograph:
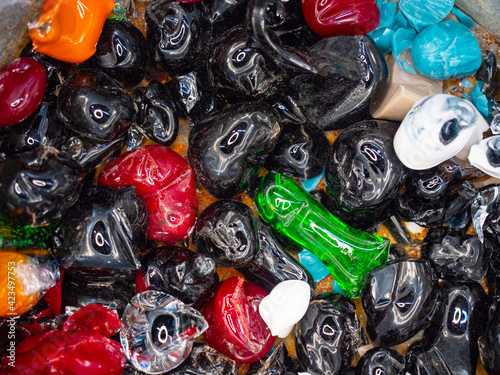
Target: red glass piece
point(341, 17)
point(53, 296)
point(22, 86)
point(68, 353)
point(94, 318)
point(140, 282)
point(165, 182)
point(235, 326)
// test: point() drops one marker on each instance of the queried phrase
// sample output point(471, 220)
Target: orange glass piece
point(68, 30)
point(23, 280)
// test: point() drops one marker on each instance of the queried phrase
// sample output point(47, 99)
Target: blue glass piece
point(480, 101)
point(466, 83)
point(387, 14)
point(422, 13)
point(311, 262)
point(383, 38)
point(446, 50)
point(336, 288)
point(402, 48)
point(462, 17)
point(312, 183)
point(400, 21)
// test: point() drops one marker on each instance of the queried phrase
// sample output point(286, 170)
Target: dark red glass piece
point(69, 353)
point(165, 182)
point(53, 295)
point(235, 326)
point(23, 85)
point(94, 318)
point(341, 17)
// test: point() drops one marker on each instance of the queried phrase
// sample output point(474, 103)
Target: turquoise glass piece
point(422, 13)
point(348, 253)
point(400, 21)
point(315, 266)
point(480, 100)
point(446, 50)
point(336, 288)
point(462, 17)
point(466, 83)
point(312, 183)
point(387, 14)
point(383, 38)
point(402, 48)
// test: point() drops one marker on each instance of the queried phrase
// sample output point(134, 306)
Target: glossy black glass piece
point(378, 361)
point(157, 115)
point(38, 186)
point(182, 273)
point(121, 53)
point(204, 360)
point(273, 264)
point(287, 109)
point(114, 294)
point(489, 343)
point(226, 14)
point(195, 95)
point(363, 173)
point(455, 255)
point(101, 237)
point(427, 192)
point(487, 73)
point(178, 36)
point(41, 128)
point(226, 231)
point(227, 150)
point(95, 106)
point(241, 68)
point(350, 69)
point(450, 345)
point(57, 71)
point(328, 335)
point(90, 153)
point(277, 363)
point(397, 227)
point(399, 300)
point(301, 152)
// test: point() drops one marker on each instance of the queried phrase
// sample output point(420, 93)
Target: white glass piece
point(437, 128)
point(478, 156)
point(285, 305)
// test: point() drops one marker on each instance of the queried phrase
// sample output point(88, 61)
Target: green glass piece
point(23, 238)
point(118, 13)
point(348, 253)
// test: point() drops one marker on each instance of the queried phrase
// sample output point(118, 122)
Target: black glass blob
point(489, 343)
point(120, 53)
point(241, 68)
point(363, 173)
point(95, 106)
point(38, 186)
point(226, 231)
point(455, 255)
point(227, 151)
point(450, 344)
point(328, 335)
point(204, 360)
point(157, 114)
point(273, 264)
point(178, 36)
point(349, 70)
point(41, 128)
point(381, 361)
point(182, 273)
point(101, 237)
point(399, 300)
point(301, 152)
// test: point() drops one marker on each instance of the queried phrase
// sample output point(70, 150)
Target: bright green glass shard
point(118, 13)
point(23, 238)
point(348, 253)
